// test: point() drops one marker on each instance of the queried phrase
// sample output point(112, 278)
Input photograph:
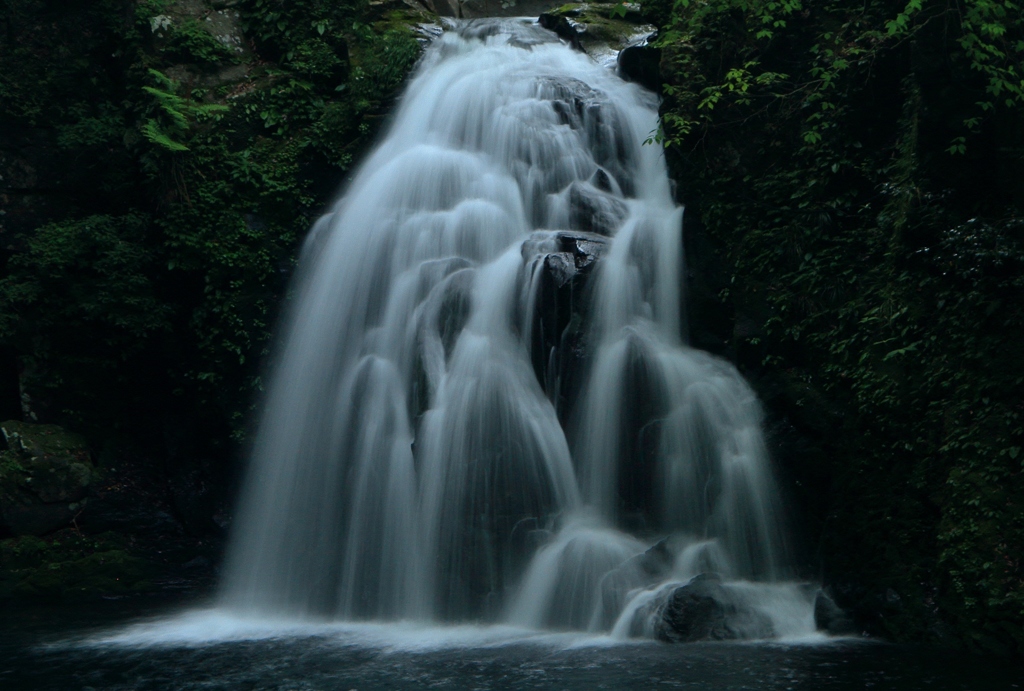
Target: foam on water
point(217, 626)
point(206, 627)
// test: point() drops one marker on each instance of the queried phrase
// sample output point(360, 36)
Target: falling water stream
point(488, 459)
point(426, 453)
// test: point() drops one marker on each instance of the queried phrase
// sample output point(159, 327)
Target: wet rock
point(474, 9)
point(706, 610)
point(502, 8)
point(642, 571)
point(594, 211)
point(45, 474)
point(828, 617)
point(601, 124)
point(656, 562)
point(563, 27)
point(557, 347)
point(641, 64)
point(577, 253)
point(561, 267)
point(601, 180)
point(598, 29)
point(571, 99)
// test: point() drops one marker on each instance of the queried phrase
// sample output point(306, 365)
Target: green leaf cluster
point(179, 181)
point(189, 42)
point(854, 182)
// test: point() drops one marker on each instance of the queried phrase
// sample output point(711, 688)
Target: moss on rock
point(598, 29)
point(45, 474)
point(68, 565)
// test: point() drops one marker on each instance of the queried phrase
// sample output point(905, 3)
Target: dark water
point(57, 648)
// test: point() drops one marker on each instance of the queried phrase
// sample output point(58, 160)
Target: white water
point(410, 463)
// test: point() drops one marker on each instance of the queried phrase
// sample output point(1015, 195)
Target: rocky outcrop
point(598, 29)
point(594, 211)
point(702, 610)
point(558, 343)
point(642, 571)
point(828, 617)
point(45, 474)
point(641, 63)
point(472, 9)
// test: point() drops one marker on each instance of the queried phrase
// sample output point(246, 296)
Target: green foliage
point(70, 565)
point(91, 276)
point(315, 58)
point(184, 194)
point(988, 33)
point(81, 302)
point(60, 61)
point(382, 70)
point(282, 26)
point(180, 114)
point(619, 10)
point(875, 274)
point(188, 41)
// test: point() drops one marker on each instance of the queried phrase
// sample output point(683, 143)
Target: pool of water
point(159, 645)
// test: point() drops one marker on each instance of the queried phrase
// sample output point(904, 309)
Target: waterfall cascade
point(484, 409)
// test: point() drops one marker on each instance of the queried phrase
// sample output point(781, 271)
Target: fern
point(157, 136)
point(181, 113)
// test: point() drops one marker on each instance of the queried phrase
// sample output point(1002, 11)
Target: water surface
point(140, 645)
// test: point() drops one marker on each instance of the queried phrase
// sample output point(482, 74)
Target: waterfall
point(484, 408)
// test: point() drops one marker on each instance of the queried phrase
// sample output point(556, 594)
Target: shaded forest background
point(854, 180)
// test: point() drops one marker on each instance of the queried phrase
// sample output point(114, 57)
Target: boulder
point(563, 27)
point(501, 8)
point(594, 211)
point(598, 29)
point(828, 617)
point(45, 475)
point(558, 333)
point(642, 571)
point(702, 610)
point(477, 9)
point(641, 63)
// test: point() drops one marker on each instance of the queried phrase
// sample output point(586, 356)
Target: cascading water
point(436, 443)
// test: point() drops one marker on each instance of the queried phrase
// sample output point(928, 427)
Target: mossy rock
point(45, 475)
point(69, 565)
point(474, 9)
point(598, 29)
point(40, 441)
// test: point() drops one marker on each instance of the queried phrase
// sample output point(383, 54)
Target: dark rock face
point(601, 124)
point(641, 64)
point(45, 474)
point(702, 610)
point(642, 571)
point(596, 28)
point(594, 211)
point(563, 27)
point(828, 617)
point(558, 345)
